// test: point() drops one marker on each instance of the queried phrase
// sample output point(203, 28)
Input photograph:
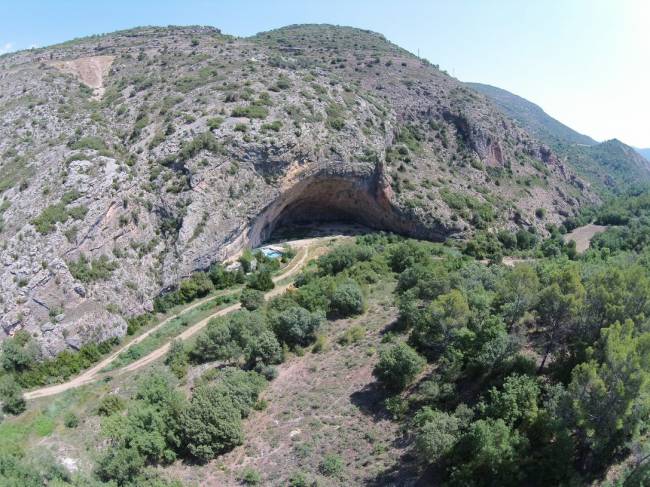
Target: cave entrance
point(325, 200)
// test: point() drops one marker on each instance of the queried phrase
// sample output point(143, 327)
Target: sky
point(585, 62)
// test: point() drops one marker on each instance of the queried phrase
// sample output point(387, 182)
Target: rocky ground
point(129, 160)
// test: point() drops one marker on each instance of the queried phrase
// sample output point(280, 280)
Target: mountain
point(645, 153)
point(132, 159)
point(532, 117)
point(609, 166)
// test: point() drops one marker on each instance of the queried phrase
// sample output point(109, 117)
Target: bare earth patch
point(583, 235)
point(91, 71)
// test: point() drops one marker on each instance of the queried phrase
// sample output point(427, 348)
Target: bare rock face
point(132, 159)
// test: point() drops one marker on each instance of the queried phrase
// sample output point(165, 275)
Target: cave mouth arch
point(327, 199)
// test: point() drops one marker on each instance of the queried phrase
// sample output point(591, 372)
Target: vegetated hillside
point(130, 159)
point(610, 165)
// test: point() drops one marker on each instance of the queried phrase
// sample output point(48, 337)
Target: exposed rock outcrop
point(199, 144)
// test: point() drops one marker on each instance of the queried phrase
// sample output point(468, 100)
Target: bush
point(296, 326)
point(252, 299)
point(85, 270)
point(250, 111)
point(398, 365)
point(110, 404)
point(331, 466)
point(11, 395)
point(261, 280)
point(347, 299)
point(70, 420)
point(250, 476)
point(177, 359)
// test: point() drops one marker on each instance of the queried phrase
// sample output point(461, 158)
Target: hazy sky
point(586, 62)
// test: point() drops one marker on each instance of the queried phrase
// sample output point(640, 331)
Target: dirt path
point(583, 235)
point(93, 374)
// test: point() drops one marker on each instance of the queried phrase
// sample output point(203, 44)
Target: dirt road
point(93, 374)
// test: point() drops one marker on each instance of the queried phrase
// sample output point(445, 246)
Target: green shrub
point(261, 280)
point(347, 299)
point(252, 299)
point(250, 111)
point(250, 476)
point(11, 395)
point(110, 404)
point(331, 466)
point(214, 122)
point(296, 325)
point(86, 270)
point(92, 142)
point(398, 366)
point(70, 420)
point(211, 425)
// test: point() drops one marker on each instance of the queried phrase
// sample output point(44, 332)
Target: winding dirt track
point(94, 374)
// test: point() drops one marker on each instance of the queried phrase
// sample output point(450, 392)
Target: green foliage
point(489, 454)
point(70, 420)
point(214, 122)
point(210, 425)
point(261, 280)
point(252, 299)
point(177, 359)
point(250, 111)
point(11, 395)
point(86, 270)
point(46, 221)
point(609, 391)
point(110, 404)
point(436, 434)
point(398, 366)
point(91, 142)
point(347, 299)
point(296, 325)
point(241, 335)
point(331, 466)
point(36, 372)
point(197, 286)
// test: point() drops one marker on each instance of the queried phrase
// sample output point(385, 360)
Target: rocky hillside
point(609, 166)
point(131, 159)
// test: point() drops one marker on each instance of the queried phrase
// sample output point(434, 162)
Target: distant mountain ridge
point(532, 116)
point(610, 166)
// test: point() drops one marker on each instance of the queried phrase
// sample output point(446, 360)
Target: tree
point(444, 320)
point(11, 395)
point(120, 465)
point(517, 401)
point(19, 352)
point(251, 299)
point(296, 325)
point(609, 393)
point(436, 434)
point(347, 299)
point(518, 292)
point(559, 306)
point(398, 366)
point(488, 454)
point(211, 425)
point(196, 286)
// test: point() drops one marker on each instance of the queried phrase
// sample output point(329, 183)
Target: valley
point(309, 257)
